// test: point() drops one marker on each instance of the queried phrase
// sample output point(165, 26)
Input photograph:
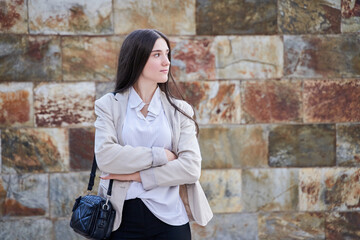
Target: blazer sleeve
point(111, 157)
point(186, 169)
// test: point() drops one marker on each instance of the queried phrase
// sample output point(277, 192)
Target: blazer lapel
point(121, 101)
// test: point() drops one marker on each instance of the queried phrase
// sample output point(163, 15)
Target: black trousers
point(139, 223)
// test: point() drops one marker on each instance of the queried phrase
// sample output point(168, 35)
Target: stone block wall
point(276, 89)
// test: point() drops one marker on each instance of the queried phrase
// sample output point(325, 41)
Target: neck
point(145, 91)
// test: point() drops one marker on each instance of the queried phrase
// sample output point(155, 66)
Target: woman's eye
point(156, 54)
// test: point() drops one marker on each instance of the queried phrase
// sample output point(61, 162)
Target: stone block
point(25, 229)
point(104, 88)
point(242, 226)
point(16, 104)
point(304, 17)
point(63, 231)
point(332, 100)
point(302, 145)
point(192, 58)
point(90, 58)
point(222, 189)
point(236, 17)
point(13, 16)
point(64, 189)
point(30, 58)
point(175, 17)
point(234, 146)
point(350, 16)
point(81, 148)
point(214, 102)
point(34, 150)
point(64, 104)
point(322, 56)
point(329, 189)
point(290, 225)
point(348, 145)
point(271, 101)
point(270, 189)
point(248, 57)
point(24, 195)
point(70, 17)
point(343, 226)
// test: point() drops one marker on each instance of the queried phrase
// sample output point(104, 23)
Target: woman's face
point(156, 69)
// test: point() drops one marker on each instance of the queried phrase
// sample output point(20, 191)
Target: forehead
point(160, 44)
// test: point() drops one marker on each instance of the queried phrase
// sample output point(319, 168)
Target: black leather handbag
point(93, 216)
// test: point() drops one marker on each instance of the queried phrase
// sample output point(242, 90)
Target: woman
point(146, 140)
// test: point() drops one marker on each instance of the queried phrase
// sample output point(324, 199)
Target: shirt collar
point(136, 102)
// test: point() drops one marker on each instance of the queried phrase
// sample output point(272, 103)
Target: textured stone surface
point(25, 229)
point(222, 189)
point(274, 226)
point(90, 58)
point(271, 101)
point(64, 104)
point(332, 100)
point(13, 16)
point(192, 58)
point(343, 226)
point(248, 57)
point(322, 56)
point(63, 231)
point(70, 17)
point(307, 16)
point(348, 145)
point(235, 17)
point(350, 16)
point(34, 150)
point(65, 188)
point(233, 147)
point(242, 226)
point(329, 189)
point(24, 195)
point(16, 104)
point(214, 102)
point(269, 189)
point(81, 148)
point(104, 88)
point(302, 145)
point(28, 58)
point(175, 17)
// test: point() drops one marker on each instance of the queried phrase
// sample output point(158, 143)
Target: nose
point(165, 61)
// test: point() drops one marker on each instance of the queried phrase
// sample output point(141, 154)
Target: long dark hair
point(133, 56)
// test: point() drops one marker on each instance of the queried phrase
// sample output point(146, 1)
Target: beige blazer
point(113, 157)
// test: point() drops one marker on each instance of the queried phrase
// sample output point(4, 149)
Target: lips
point(164, 71)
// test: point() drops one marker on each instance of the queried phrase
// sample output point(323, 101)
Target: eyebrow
point(159, 50)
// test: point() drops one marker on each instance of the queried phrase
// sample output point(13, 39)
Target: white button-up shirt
point(152, 131)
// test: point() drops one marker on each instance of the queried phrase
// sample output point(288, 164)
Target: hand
point(123, 177)
point(170, 155)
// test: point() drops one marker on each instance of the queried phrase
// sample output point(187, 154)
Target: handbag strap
point(92, 178)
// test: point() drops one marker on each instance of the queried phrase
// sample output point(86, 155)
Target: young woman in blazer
point(146, 140)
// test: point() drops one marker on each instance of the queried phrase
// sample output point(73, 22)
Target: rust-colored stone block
point(350, 16)
point(235, 17)
point(348, 145)
point(271, 101)
point(322, 56)
point(343, 226)
point(16, 104)
point(70, 17)
point(64, 104)
point(329, 189)
point(192, 58)
point(233, 147)
point(34, 150)
point(214, 102)
point(270, 189)
point(307, 16)
point(81, 147)
point(332, 100)
point(284, 225)
point(13, 16)
point(90, 58)
point(175, 17)
point(302, 146)
point(248, 57)
point(30, 58)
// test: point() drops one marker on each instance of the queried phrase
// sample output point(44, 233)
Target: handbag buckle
point(106, 205)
